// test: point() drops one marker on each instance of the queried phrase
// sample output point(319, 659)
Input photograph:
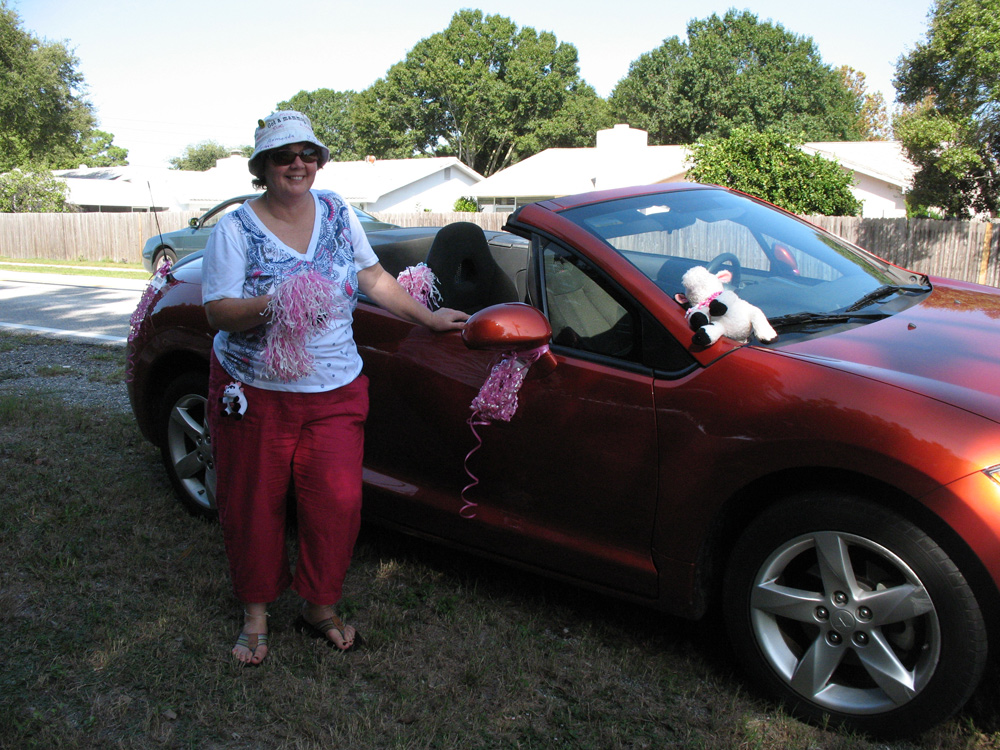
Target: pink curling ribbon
point(300, 308)
point(420, 283)
point(497, 399)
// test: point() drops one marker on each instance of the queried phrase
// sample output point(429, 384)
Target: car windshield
point(793, 271)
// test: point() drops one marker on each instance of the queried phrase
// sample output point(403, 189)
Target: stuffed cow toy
point(234, 403)
point(714, 311)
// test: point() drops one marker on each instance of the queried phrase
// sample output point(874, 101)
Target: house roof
point(883, 160)
point(109, 193)
point(357, 181)
point(367, 181)
point(622, 158)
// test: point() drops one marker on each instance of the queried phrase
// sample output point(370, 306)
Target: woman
point(305, 432)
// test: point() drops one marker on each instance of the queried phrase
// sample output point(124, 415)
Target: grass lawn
point(75, 267)
point(118, 619)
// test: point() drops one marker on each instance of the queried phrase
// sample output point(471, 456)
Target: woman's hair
point(256, 167)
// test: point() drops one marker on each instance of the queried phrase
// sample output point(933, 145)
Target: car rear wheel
point(185, 443)
point(849, 613)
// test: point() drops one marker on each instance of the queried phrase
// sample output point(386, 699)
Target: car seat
point(469, 277)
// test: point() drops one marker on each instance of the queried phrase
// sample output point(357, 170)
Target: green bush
point(33, 192)
point(466, 205)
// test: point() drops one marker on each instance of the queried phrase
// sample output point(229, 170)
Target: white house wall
point(436, 192)
point(880, 200)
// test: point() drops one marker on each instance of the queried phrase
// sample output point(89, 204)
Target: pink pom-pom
point(421, 284)
point(300, 308)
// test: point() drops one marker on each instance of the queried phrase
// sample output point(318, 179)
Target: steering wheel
point(720, 260)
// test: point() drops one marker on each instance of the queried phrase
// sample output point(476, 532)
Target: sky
point(163, 76)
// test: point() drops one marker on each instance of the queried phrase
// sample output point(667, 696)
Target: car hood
point(946, 347)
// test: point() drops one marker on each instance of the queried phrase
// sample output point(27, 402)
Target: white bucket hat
point(280, 129)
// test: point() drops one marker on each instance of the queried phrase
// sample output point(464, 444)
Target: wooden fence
point(957, 249)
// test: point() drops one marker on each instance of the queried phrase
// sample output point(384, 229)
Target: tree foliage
point(35, 191)
point(734, 72)
point(44, 119)
point(333, 119)
point(951, 125)
point(200, 157)
point(873, 117)
point(771, 166)
point(482, 90)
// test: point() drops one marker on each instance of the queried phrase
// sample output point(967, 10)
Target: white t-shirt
point(243, 259)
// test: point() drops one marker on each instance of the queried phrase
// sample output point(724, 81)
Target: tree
point(484, 91)
point(771, 166)
point(732, 72)
point(98, 151)
point(332, 116)
point(200, 157)
point(33, 192)
point(44, 119)
point(950, 127)
point(873, 118)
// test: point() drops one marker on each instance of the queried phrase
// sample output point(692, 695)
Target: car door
point(570, 483)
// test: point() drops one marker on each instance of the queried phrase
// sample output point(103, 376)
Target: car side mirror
point(511, 327)
point(193, 223)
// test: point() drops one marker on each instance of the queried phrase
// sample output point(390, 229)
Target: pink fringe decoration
point(300, 308)
point(421, 284)
point(497, 399)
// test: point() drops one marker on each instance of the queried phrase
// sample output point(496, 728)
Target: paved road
point(78, 308)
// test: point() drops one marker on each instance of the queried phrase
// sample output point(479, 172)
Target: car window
point(780, 264)
point(701, 241)
point(583, 313)
point(212, 219)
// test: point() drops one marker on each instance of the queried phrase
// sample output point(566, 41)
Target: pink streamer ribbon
point(497, 399)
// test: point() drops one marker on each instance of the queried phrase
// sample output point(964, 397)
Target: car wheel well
point(754, 499)
point(167, 369)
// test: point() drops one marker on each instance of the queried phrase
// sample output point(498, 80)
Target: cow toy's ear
point(724, 276)
point(682, 299)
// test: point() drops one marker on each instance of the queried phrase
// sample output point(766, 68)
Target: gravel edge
point(87, 374)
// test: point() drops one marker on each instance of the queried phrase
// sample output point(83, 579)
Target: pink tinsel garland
point(497, 399)
point(300, 308)
point(421, 284)
point(146, 300)
point(139, 318)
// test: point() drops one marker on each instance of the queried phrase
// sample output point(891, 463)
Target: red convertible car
point(834, 492)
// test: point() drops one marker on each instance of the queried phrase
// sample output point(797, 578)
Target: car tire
point(185, 443)
point(163, 255)
point(853, 616)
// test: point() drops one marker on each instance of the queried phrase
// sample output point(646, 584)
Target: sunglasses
point(284, 157)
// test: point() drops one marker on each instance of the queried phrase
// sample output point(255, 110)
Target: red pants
point(312, 441)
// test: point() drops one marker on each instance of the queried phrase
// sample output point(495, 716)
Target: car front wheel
point(163, 255)
point(851, 614)
point(185, 443)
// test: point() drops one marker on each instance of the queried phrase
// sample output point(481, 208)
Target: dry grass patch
point(118, 619)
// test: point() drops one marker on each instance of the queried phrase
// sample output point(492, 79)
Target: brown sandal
point(321, 628)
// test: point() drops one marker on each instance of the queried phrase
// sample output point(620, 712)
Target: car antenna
point(156, 218)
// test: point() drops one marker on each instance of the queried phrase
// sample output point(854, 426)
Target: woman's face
point(293, 178)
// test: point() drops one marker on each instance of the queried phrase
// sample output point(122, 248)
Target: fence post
point(984, 256)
